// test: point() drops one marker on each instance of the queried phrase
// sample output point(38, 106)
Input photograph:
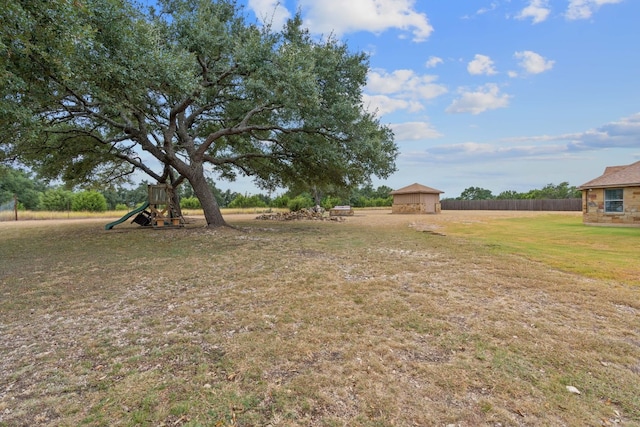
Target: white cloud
point(627, 126)
point(399, 90)
point(486, 98)
point(414, 131)
point(340, 17)
point(533, 63)
point(481, 64)
point(537, 10)
point(405, 83)
point(482, 11)
point(623, 133)
point(474, 152)
point(433, 61)
point(583, 9)
point(270, 12)
point(382, 82)
point(383, 104)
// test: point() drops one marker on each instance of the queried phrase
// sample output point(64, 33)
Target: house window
point(613, 200)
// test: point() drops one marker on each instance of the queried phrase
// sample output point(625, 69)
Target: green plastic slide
point(127, 216)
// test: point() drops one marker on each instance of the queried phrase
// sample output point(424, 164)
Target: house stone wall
point(593, 208)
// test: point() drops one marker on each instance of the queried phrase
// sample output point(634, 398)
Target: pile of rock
point(302, 214)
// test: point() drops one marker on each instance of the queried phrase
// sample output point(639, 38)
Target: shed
point(416, 198)
point(613, 198)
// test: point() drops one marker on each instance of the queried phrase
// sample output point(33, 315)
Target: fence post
point(15, 206)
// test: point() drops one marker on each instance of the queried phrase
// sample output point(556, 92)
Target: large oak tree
point(95, 89)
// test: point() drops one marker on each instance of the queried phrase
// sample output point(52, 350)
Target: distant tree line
point(35, 194)
point(549, 191)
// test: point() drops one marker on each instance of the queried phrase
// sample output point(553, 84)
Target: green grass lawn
point(563, 242)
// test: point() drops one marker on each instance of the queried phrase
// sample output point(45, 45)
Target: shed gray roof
point(417, 188)
point(616, 176)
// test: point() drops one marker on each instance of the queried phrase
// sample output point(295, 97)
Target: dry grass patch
point(67, 215)
point(366, 322)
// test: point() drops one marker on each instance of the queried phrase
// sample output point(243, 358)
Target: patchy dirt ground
point(308, 323)
point(372, 217)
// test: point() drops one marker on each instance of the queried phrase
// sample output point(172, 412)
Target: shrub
point(299, 202)
point(122, 207)
point(90, 201)
point(190, 203)
point(56, 200)
point(247, 202)
point(329, 202)
point(280, 202)
point(360, 202)
point(382, 201)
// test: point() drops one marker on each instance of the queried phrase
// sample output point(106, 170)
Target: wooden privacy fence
point(513, 205)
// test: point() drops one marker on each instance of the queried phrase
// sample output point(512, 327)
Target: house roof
point(616, 176)
point(417, 188)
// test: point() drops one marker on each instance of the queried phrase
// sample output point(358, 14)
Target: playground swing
point(159, 211)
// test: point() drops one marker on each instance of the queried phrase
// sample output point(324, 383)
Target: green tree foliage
point(113, 198)
point(367, 196)
point(223, 198)
point(190, 203)
point(476, 193)
point(56, 200)
point(281, 201)
point(509, 195)
point(137, 195)
point(89, 201)
point(303, 201)
point(241, 201)
point(90, 84)
point(329, 202)
point(21, 184)
point(129, 197)
point(551, 191)
point(226, 197)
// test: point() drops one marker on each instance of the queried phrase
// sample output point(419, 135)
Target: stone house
point(613, 198)
point(416, 198)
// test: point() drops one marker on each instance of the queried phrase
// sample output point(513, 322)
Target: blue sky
point(502, 94)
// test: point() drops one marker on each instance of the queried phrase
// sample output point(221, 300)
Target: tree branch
point(137, 163)
point(238, 129)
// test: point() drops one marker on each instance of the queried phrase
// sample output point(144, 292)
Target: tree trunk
point(176, 202)
point(175, 198)
point(317, 196)
point(212, 213)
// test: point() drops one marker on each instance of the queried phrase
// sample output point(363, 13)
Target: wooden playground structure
point(161, 206)
point(159, 211)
